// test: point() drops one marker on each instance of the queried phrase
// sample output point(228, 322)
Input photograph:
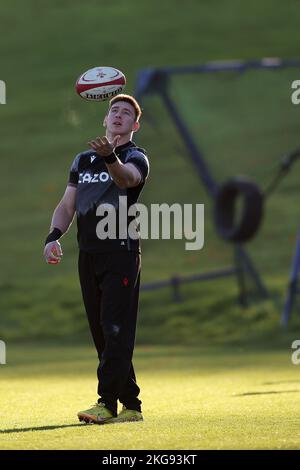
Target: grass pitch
point(192, 399)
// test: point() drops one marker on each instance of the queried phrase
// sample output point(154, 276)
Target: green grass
point(193, 398)
point(244, 124)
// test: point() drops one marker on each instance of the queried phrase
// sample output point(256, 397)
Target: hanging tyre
point(243, 226)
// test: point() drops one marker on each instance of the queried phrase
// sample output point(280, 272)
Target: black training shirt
point(95, 187)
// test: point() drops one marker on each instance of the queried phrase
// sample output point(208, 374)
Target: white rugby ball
point(100, 83)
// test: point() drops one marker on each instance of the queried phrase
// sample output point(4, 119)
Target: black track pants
point(110, 288)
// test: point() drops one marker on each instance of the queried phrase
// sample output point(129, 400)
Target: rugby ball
point(100, 83)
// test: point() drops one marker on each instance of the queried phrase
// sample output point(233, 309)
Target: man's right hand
point(53, 252)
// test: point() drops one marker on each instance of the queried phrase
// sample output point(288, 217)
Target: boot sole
point(90, 419)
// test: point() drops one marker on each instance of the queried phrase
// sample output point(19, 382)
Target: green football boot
point(98, 414)
point(127, 416)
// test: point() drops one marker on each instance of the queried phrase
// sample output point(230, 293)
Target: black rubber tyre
point(251, 214)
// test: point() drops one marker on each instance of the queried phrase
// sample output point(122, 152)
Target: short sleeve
point(141, 162)
point(74, 175)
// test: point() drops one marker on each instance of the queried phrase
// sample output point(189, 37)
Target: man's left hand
point(103, 147)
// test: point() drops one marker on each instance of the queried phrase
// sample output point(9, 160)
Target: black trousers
point(110, 288)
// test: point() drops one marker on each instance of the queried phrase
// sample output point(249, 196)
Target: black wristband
point(110, 158)
point(53, 236)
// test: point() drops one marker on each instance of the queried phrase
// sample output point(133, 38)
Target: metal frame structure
point(293, 286)
point(156, 81)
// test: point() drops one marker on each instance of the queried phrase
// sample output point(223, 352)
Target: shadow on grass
point(265, 393)
point(40, 428)
point(280, 382)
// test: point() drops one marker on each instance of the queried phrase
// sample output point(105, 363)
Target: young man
point(109, 269)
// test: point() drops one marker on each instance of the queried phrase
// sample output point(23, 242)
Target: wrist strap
point(110, 158)
point(54, 235)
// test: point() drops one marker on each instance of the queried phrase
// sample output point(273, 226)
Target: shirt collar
point(122, 147)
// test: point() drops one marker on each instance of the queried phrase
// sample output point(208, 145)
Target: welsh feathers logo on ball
point(100, 83)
